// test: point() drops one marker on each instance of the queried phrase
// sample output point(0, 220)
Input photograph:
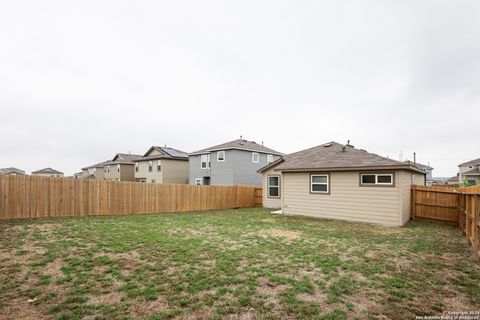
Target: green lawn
point(232, 264)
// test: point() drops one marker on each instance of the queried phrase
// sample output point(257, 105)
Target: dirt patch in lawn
point(53, 268)
point(22, 309)
point(287, 234)
point(143, 308)
point(109, 298)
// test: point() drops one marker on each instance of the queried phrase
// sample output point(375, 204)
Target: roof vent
point(327, 145)
point(254, 142)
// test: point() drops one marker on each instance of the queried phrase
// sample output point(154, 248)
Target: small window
point(108, 169)
point(385, 179)
point(118, 167)
point(273, 186)
point(153, 180)
point(136, 166)
point(205, 161)
point(159, 165)
point(150, 166)
point(470, 167)
point(269, 158)
point(221, 156)
point(198, 181)
point(255, 157)
point(319, 183)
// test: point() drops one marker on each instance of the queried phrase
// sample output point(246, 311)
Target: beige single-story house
point(338, 181)
point(121, 167)
point(162, 165)
point(47, 172)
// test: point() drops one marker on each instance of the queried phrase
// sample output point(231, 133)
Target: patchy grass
point(234, 264)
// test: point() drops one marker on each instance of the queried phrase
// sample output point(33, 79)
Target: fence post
point(468, 228)
point(476, 220)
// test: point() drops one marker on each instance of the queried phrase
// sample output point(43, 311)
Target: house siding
point(175, 171)
point(271, 202)
point(126, 172)
point(237, 169)
point(406, 179)
point(347, 199)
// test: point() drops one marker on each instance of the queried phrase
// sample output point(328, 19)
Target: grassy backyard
point(233, 264)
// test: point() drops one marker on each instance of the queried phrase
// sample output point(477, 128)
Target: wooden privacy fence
point(460, 206)
point(37, 197)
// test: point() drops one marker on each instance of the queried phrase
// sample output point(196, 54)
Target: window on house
point(470, 167)
point(385, 179)
point(319, 183)
point(269, 158)
point(205, 161)
point(255, 157)
point(118, 167)
point(221, 156)
point(153, 180)
point(136, 166)
point(159, 165)
point(108, 169)
point(198, 181)
point(150, 166)
point(273, 187)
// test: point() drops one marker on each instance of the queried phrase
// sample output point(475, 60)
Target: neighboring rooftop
point(97, 165)
point(473, 172)
point(239, 144)
point(470, 163)
point(334, 156)
point(47, 171)
point(166, 153)
point(123, 158)
point(11, 170)
point(418, 165)
point(453, 179)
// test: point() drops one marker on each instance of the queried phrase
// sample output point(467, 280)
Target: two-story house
point(162, 165)
point(47, 172)
point(231, 163)
point(427, 169)
point(12, 171)
point(95, 171)
point(469, 172)
point(121, 167)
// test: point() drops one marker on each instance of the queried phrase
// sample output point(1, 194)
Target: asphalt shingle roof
point(335, 156)
point(48, 170)
point(471, 162)
point(238, 144)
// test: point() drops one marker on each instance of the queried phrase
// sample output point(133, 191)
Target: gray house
point(231, 163)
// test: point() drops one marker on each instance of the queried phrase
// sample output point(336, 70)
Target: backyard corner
point(233, 264)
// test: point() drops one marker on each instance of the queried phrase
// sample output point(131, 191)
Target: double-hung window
point(319, 183)
point(269, 158)
point(136, 166)
point(273, 186)
point(118, 167)
point(198, 181)
point(221, 156)
point(150, 166)
point(159, 165)
point(255, 157)
point(205, 161)
point(376, 179)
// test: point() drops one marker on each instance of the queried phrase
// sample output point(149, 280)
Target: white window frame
point(218, 156)
point(253, 157)
point(269, 158)
point(150, 166)
point(136, 166)
point(207, 162)
point(198, 181)
point(270, 186)
point(159, 165)
point(376, 183)
point(320, 183)
point(118, 168)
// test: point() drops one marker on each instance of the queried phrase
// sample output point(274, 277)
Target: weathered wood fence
point(460, 206)
point(37, 197)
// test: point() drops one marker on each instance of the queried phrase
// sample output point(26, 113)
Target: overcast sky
point(83, 80)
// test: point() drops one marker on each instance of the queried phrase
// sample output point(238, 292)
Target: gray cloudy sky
point(82, 80)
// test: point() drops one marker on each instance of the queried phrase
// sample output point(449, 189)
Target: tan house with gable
point(162, 165)
point(47, 172)
point(338, 181)
point(95, 171)
point(121, 167)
